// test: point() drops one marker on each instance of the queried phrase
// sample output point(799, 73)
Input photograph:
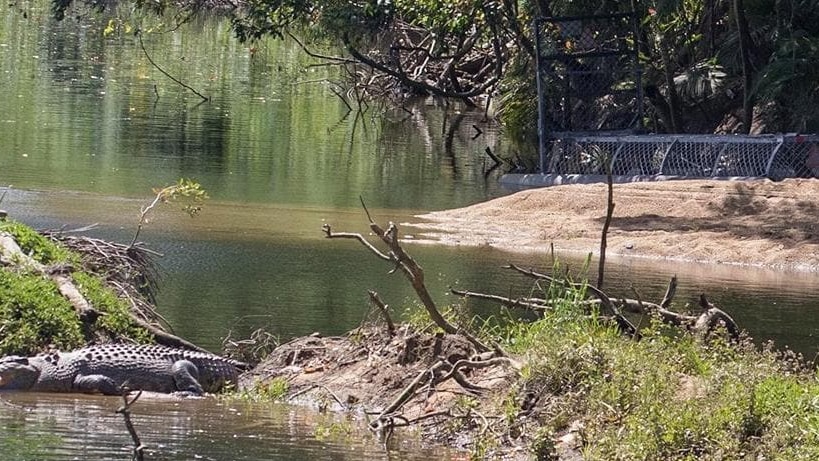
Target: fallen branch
point(713, 317)
point(530, 304)
point(125, 411)
point(413, 272)
point(384, 309)
point(625, 326)
point(409, 390)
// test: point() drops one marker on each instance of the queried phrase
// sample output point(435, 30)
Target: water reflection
point(59, 426)
point(89, 112)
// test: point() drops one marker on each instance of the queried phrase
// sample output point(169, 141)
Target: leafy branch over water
point(184, 189)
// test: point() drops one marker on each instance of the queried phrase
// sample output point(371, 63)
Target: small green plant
point(189, 190)
point(117, 319)
point(334, 430)
point(269, 391)
point(275, 389)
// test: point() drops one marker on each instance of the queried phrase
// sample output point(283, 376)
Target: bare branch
point(125, 411)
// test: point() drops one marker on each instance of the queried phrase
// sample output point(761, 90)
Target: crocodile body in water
point(107, 368)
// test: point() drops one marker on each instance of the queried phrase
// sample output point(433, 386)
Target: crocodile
point(110, 368)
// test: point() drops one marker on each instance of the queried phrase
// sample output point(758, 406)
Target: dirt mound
point(368, 370)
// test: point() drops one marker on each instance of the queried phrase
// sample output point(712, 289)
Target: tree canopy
point(709, 65)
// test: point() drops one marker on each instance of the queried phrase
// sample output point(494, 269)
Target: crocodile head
point(16, 373)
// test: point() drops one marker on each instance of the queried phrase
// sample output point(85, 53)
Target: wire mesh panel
point(573, 156)
point(744, 158)
point(797, 158)
point(691, 157)
point(706, 156)
point(638, 157)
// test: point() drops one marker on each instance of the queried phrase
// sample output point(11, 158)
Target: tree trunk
point(745, 43)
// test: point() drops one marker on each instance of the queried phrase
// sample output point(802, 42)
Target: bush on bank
point(34, 316)
point(669, 396)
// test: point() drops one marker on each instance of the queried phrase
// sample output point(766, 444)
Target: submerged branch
point(125, 411)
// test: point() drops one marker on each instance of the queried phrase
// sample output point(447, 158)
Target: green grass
point(273, 390)
point(42, 249)
point(670, 396)
point(34, 316)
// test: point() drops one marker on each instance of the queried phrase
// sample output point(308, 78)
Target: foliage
point(518, 104)
point(334, 430)
point(187, 190)
point(670, 396)
point(472, 50)
point(35, 316)
point(272, 390)
point(336, 18)
point(788, 68)
point(116, 319)
point(35, 245)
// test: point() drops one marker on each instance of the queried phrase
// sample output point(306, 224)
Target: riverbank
point(757, 223)
point(568, 384)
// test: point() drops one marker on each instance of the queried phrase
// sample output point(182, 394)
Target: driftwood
point(414, 273)
point(703, 324)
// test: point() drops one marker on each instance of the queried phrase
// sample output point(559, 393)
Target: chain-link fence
point(706, 156)
point(590, 109)
point(588, 73)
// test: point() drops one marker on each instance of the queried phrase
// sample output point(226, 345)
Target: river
point(89, 127)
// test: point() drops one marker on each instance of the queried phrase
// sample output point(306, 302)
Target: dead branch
point(601, 267)
point(530, 304)
point(482, 363)
point(712, 318)
point(328, 233)
point(649, 308)
point(409, 390)
point(623, 323)
point(125, 411)
point(411, 269)
point(384, 309)
point(669, 293)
